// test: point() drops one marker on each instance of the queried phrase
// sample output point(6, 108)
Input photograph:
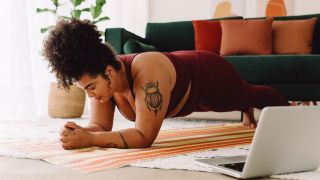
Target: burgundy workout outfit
point(215, 85)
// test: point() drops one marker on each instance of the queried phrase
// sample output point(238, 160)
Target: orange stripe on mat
point(193, 131)
point(203, 137)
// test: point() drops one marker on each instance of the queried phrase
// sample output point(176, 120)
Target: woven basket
point(63, 104)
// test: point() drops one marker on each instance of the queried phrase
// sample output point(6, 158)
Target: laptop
point(287, 140)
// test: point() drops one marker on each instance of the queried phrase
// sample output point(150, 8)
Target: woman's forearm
point(94, 128)
point(127, 138)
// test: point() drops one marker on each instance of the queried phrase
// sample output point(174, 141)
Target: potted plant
point(70, 103)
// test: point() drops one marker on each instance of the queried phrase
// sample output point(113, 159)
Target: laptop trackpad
point(224, 160)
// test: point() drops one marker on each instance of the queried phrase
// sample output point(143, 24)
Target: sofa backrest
point(173, 36)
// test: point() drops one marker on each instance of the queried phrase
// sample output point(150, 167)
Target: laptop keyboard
point(234, 166)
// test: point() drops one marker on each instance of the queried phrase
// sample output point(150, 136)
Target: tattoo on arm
point(124, 141)
point(153, 97)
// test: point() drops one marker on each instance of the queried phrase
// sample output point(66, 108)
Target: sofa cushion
point(293, 37)
point(207, 35)
point(274, 69)
point(316, 33)
point(246, 36)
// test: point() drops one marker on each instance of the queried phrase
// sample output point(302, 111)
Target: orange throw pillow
point(207, 35)
point(293, 36)
point(252, 36)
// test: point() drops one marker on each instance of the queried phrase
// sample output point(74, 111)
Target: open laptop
point(287, 140)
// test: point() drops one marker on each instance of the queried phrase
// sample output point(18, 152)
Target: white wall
point(136, 13)
point(257, 7)
point(307, 7)
point(132, 15)
point(178, 10)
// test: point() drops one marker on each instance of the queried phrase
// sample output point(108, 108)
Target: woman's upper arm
point(101, 113)
point(152, 94)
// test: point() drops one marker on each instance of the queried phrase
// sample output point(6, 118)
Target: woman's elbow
point(147, 144)
point(144, 143)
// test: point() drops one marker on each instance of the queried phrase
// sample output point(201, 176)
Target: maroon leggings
point(216, 86)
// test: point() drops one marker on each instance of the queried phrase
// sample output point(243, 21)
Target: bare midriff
point(183, 101)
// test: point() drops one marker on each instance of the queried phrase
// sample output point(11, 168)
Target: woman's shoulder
point(140, 57)
point(149, 58)
point(151, 63)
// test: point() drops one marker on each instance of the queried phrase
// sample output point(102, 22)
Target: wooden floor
point(24, 169)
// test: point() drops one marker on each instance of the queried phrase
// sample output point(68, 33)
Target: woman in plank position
point(146, 87)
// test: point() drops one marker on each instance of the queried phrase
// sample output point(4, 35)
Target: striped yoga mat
point(168, 143)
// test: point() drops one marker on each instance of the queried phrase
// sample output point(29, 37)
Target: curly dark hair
point(73, 48)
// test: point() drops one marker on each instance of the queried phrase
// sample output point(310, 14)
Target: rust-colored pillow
point(293, 36)
point(252, 36)
point(207, 35)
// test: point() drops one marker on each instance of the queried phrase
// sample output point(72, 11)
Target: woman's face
point(99, 88)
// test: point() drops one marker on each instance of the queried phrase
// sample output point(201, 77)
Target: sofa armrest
point(135, 46)
point(117, 37)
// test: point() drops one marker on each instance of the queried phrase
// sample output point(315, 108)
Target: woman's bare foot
point(303, 103)
point(248, 119)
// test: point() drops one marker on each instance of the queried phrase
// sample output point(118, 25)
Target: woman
point(146, 87)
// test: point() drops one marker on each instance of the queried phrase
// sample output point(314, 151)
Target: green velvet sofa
point(297, 77)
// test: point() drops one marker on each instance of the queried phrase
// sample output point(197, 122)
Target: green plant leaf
point(98, 11)
point(39, 10)
point(98, 8)
point(92, 10)
point(76, 14)
point(76, 2)
point(86, 9)
point(100, 2)
point(43, 30)
point(55, 2)
point(101, 19)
